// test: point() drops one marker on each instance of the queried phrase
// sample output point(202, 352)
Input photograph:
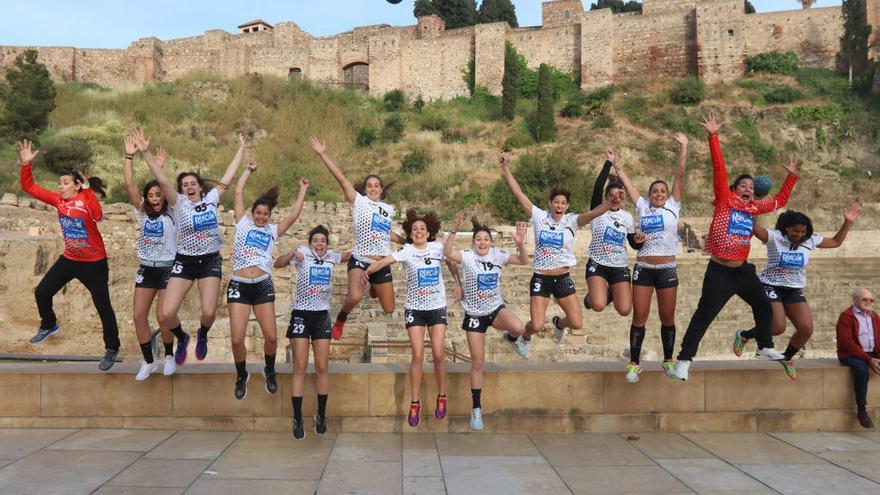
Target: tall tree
point(498, 10)
point(750, 9)
point(423, 8)
point(545, 122)
point(28, 97)
point(508, 83)
point(854, 42)
point(457, 13)
point(617, 6)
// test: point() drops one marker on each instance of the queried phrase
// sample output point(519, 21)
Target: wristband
point(252, 169)
point(129, 156)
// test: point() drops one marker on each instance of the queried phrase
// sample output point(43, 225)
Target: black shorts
point(152, 277)
point(252, 294)
point(612, 275)
point(313, 325)
point(383, 276)
point(784, 295)
point(480, 324)
point(660, 278)
point(558, 286)
point(429, 318)
point(197, 267)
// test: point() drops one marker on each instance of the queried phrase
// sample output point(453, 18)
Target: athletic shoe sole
point(246, 380)
point(184, 354)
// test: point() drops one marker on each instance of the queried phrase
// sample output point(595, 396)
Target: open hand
point(25, 152)
point(129, 146)
point(317, 145)
point(613, 156)
point(522, 229)
point(681, 139)
point(711, 124)
point(140, 140)
point(793, 167)
point(852, 213)
point(161, 156)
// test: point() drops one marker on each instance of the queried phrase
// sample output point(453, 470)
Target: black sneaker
point(865, 419)
point(108, 360)
point(271, 381)
point(298, 431)
point(320, 424)
point(241, 386)
point(44, 333)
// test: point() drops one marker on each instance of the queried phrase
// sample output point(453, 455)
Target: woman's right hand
point(140, 140)
point(711, 124)
point(161, 155)
point(317, 145)
point(365, 277)
point(129, 146)
point(25, 152)
point(504, 160)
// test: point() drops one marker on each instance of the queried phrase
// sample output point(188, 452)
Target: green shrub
point(521, 138)
point(634, 108)
point(65, 155)
point(763, 152)
point(806, 115)
point(823, 83)
point(366, 136)
point(394, 100)
point(600, 95)
point(774, 63)
point(782, 94)
point(453, 135)
point(433, 122)
point(571, 110)
point(394, 128)
point(415, 162)
point(603, 121)
point(419, 104)
point(688, 91)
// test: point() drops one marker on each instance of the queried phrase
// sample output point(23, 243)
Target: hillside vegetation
point(443, 154)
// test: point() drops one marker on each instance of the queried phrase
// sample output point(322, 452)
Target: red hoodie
point(78, 217)
point(730, 234)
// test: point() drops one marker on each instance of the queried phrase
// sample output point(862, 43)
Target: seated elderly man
point(858, 346)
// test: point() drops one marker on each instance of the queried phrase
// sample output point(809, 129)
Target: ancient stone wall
point(650, 45)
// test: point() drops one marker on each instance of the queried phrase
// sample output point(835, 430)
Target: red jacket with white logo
point(78, 217)
point(730, 233)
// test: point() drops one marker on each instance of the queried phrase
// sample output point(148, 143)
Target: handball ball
point(763, 184)
point(395, 2)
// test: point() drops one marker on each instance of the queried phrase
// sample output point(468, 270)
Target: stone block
point(104, 395)
point(551, 392)
point(654, 392)
point(746, 390)
point(22, 393)
point(208, 395)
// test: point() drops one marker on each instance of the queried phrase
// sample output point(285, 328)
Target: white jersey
point(787, 267)
point(608, 244)
point(158, 239)
point(372, 228)
point(481, 281)
point(253, 245)
point(660, 226)
point(314, 280)
point(554, 241)
point(198, 231)
point(424, 279)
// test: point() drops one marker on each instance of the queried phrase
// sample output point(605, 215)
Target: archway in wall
point(356, 76)
point(294, 74)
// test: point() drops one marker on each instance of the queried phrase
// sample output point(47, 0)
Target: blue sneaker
point(201, 345)
point(477, 418)
point(43, 334)
point(180, 353)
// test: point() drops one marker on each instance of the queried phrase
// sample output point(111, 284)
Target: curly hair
point(789, 219)
point(431, 222)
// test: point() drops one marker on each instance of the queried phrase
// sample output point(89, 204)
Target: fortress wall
point(653, 44)
point(556, 46)
point(813, 34)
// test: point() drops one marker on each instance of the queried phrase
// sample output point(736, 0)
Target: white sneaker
point(146, 370)
point(170, 366)
point(681, 370)
point(633, 370)
point(521, 347)
point(477, 418)
point(770, 354)
point(558, 333)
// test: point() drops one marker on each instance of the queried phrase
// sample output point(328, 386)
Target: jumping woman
point(728, 243)
point(481, 299)
point(425, 304)
point(372, 238)
point(84, 257)
point(655, 263)
point(789, 246)
point(310, 321)
point(198, 245)
point(156, 247)
point(250, 286)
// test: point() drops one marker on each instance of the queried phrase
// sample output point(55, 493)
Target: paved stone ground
point(193, 462)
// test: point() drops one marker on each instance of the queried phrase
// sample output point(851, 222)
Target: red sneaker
point(414, 409)
point(338, 327)
point(440, 412)
point(373, 293)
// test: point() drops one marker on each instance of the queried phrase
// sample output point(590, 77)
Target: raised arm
point(628, 186)
point(589, 216)
point(849, 218)
point(719, 170)
point(297, 207)
point(678, 180)
point(285, 259)
point(514, 186)
point(238, 200)
point(321, 150)
point(780, 199)
point(522, 256)
point(449, 244)
point(134, 196)
point(599, 186)
point(223, 185)
point(157, 169)
point(27, 155)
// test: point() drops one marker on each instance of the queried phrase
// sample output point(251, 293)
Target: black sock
point(475, 396)
point(636, 337)
point(270, 363)
point(178, 332)
point(342, 316)
point(790, 352)
point(322, 405)
point(861, 408)
point(169, 348)
point(509, 337)
point(203, 330)
point(667, 335)
point(748, 334)
point(297, 408)
point(241, 368)
point(147, 351)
